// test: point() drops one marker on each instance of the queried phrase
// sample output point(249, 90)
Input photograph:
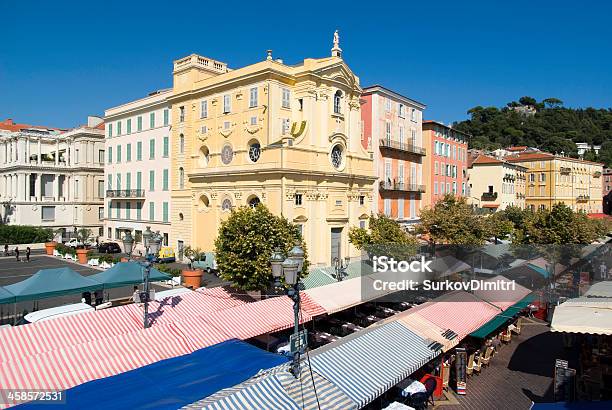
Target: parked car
point(207, 262)
point(109, 247)
point(59, 311)
point(73, 243)
point(166, 255)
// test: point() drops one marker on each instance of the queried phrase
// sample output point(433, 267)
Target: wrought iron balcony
point(596, 174)
point(584, 197)
point(565, 170)
point(125, 193)
point(509, 177)
point(489, 196)
point(402, 146)
point(401, 186)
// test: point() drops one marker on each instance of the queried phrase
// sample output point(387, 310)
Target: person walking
point(28, 251)
point(6, 249)
point(17, 253)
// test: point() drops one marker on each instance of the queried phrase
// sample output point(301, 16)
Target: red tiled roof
point(10, 125)
point(544, 156)
point(485, 159)
point(519, 148)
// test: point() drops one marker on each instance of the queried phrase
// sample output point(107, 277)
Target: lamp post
point(290, 268)
point(340, 268)
point(152, 243)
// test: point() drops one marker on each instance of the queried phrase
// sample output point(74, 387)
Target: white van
point(59, 311)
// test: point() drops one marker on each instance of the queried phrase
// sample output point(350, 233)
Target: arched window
point(181, 178)
point(254, 150)
point(253, 201)
point(203, 158)
point(182, 144)
point(337, 101)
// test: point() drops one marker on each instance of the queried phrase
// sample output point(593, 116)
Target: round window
point(226, 205)
point(337, 156)
point(254, 151)
point(227, 154)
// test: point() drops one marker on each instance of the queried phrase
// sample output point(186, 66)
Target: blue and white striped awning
point(263, 392)
point(369, 364)
point(277, 388)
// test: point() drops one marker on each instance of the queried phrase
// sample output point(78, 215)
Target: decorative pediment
point(338, 137)
point(363, 217)
point(300, 218)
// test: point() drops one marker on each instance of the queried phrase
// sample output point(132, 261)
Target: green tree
point(528, 101)
point(452, 221)
point(552, 102)
point(245, 243)
point(384, 236)
point(498, 226)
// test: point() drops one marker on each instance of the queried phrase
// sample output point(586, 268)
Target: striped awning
point(188, 305)
point(385, 355)
point(324, 394)
point(458, 311)
point(500, 297)
point(265, 316)
point(428, 330)
point(262, 392)
point(69, 366)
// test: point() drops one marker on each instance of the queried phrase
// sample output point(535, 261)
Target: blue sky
point(62, 60)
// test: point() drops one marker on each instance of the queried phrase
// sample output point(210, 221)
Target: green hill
point(546, 125)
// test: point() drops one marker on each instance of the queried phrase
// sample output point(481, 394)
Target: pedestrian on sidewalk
point(28, 251)
point(17, 253)
point(6, 250)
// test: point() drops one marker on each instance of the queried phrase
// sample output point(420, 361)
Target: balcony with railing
point(583, 198)
point(565, 170)
point(596, 174)
point(401, 186)
point(401, 146)
point(489, 196)
point(125, 193)
point(509, 177)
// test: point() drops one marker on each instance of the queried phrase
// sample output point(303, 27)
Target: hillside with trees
point(546, 125)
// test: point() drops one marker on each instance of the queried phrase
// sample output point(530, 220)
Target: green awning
point(6, 296)
point(501, 319)
point(127, 273)
point(47, 283)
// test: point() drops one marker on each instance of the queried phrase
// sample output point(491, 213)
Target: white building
point(137, 171)
point(583, 147)
point(53, 178)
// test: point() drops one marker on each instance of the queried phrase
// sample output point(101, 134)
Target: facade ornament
point(238, 195)
point(297, 130)
point(336, 51)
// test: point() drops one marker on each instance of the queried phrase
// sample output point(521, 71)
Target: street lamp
point(290, 268)
point(152, 245)
point(128, 243)
point(340, 268)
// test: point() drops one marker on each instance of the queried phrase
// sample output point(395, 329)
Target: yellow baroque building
point(287, 136)
point(553, 179)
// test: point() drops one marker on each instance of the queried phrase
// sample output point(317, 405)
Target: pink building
point(445, 167)
point(392, 130)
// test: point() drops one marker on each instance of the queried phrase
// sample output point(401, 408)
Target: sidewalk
point(521, 373)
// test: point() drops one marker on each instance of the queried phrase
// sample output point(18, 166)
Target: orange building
point(392, 131)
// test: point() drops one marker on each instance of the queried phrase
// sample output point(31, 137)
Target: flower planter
point(124, 259)
point(50, 247)
point(82, 256)
point(192, 278)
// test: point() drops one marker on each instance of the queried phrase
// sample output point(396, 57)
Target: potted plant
point(192, 278)
point(81, 252)
point(51, 243)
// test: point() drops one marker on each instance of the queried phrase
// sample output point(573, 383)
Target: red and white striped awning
point(265, 316)
point(40, 337)
point(458, 311)
point(188, 305)
point(72, 365)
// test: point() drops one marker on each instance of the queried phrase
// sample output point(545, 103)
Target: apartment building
point(495, 184)
point(555, 179)
point(287, 136)
point(445, 170)
point(392, 131)
point(53, 178)
point(137, 172)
